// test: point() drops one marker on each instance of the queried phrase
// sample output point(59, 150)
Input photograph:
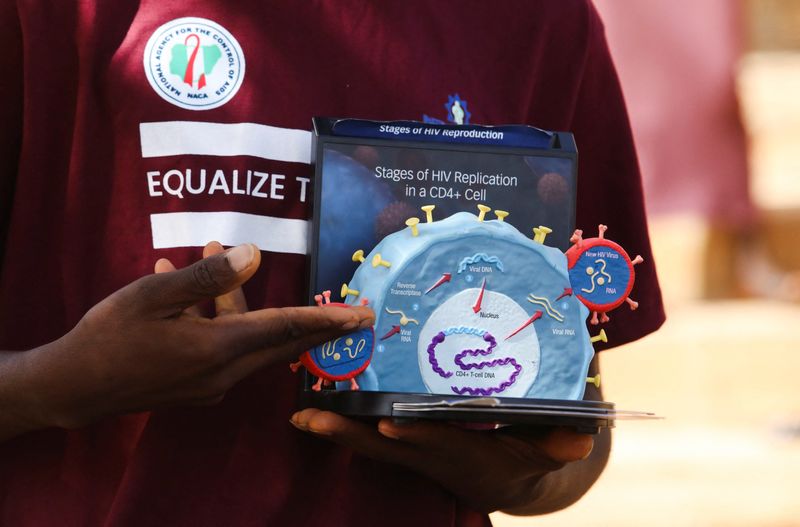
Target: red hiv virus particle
point(601, 273)
point(340, 359)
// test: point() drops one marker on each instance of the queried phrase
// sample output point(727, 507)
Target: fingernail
point(588, 451)
point(297, 424)
point(304, 428)
point(386, 430)
point(240, 257)
point(352, 324)
point(364, 324)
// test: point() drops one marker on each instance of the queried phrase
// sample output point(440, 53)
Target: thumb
point(207, 278)
point(565, 445)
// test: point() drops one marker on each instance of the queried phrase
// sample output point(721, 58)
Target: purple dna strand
point(459, 360)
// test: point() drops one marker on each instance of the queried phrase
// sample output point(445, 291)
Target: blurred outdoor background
point(713, 90)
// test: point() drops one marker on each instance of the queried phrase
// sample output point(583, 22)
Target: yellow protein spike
point(601, 337)
point(413, 222)
point(501, 214)
point(428, 210)
point(347, 291)
point(594, 380)
point(358, 256)
point(541, 233)
point(378, 260)
point(483, 210)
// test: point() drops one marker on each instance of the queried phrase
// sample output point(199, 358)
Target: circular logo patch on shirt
point(194, 63)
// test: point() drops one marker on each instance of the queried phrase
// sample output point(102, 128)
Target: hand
point(146, 347)
point(489, 470)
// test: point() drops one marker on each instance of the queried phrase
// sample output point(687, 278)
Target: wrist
point(556, 490)
point(538, 495)
point(19, 412)
point(29, 391)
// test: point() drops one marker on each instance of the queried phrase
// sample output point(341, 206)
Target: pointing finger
point(290, 331)
point(248, 363)
point(260, 338)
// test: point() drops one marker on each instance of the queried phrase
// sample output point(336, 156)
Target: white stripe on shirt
point(174, 138)
point(195, 229)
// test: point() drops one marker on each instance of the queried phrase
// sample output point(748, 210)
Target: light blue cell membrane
point(494, 251)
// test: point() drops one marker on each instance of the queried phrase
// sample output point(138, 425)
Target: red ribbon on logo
point(189, 75)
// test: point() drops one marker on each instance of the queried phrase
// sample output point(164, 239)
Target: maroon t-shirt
point(130, 129)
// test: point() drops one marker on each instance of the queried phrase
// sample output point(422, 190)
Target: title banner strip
point(521, 136)
point(175, 138)
point(195, 229)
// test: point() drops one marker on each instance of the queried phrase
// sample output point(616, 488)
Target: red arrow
point(536, 316)
point(477, 306)
point(394, 331)
point(567, 292)
point(445, 278)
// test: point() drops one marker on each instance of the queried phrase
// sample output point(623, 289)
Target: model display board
point(480, 315)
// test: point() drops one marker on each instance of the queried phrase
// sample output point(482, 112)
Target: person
point(125, 398)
